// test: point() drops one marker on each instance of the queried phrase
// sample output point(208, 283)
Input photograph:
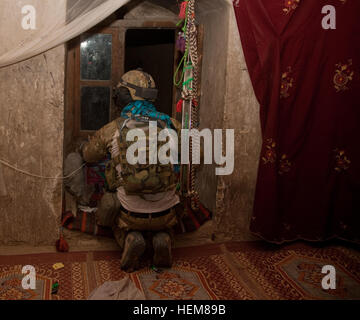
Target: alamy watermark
point(29, 281)
point(28, 21)
point(169, 152)
point(329, 281)
point(29, 16)
point(329, 20)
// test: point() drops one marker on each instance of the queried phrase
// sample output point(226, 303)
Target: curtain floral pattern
point(307, 81)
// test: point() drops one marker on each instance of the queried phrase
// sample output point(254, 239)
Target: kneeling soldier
point(144, 195)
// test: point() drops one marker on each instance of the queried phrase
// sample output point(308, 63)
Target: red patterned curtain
point(307, 81)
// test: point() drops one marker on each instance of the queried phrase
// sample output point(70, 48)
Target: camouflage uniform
point(145, 195)
point(111, 211)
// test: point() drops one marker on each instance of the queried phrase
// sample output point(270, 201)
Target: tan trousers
point(110, 214)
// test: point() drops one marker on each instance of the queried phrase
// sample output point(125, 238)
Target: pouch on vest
point(111, 176)
point(142, 179)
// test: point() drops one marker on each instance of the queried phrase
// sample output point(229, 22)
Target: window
point(96, 61)
point(93, 69)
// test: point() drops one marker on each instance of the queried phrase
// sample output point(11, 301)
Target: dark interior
point(153, 51)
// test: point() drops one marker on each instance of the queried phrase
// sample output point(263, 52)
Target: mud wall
point(235, 193)
point(31, 135)
point(213, 88)
point(228, 102)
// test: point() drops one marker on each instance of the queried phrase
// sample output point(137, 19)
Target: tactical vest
point(138, 179)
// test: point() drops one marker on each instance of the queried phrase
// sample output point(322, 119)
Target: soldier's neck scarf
point(140, 108)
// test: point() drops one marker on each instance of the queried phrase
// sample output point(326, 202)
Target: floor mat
point(231, 271)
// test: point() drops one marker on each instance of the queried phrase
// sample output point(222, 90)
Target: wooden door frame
point(124, 25)
point(73, 132)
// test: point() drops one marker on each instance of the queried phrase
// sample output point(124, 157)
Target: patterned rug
point(11, 287)
point(236, 271)
point(177, 284)
point(294, 271)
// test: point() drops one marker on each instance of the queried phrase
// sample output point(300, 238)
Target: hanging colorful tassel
point(204, 211)
point(183, 8)
point(179, 106)
point(61, 244)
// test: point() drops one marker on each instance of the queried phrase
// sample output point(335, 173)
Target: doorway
point(97, 60)
point(153, 51)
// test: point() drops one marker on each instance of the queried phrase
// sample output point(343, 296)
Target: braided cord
point(189, 79)
point(190, 93)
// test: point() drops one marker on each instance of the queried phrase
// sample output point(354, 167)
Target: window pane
point(95, 107)
point(95, 53)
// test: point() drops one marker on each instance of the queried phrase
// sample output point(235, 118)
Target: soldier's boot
point(162, 250)
point(134, 248)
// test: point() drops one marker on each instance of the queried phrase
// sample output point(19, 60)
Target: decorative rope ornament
point(189, 78)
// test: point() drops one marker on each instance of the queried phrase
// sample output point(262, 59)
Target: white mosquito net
point(30, 27)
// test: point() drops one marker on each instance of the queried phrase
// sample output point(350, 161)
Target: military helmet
point(140, 84)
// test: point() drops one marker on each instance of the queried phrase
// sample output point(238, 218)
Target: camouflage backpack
point(139, 179)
